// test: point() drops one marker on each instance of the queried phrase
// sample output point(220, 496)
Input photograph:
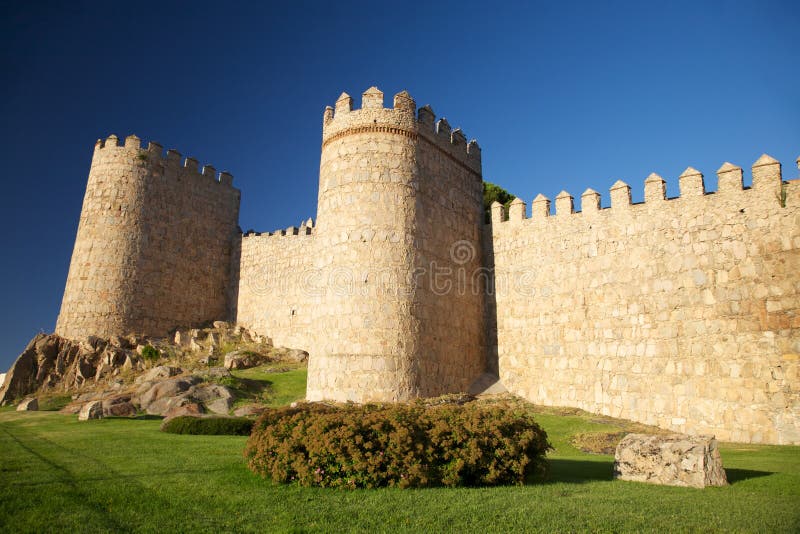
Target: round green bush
point(402, 445)
point(208, 426)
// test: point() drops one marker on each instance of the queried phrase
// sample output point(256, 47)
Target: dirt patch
point(598, 442)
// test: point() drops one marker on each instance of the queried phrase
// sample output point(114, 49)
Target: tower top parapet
point(402, 119)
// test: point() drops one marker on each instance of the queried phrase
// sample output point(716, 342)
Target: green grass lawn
point(279, 388)
point(57, 474)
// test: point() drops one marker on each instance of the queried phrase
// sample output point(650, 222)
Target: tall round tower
point(98, 297)
point(397, 196)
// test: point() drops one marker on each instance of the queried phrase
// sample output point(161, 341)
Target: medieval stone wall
point(277, 288)
point(451, 285)
point(682, 313)
point(153, 248)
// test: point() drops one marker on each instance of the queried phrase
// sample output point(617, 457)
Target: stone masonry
point(682, 313)
point(153, 249)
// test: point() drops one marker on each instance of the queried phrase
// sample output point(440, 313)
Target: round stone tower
point(397, 196)
point(98, 298)
point(154, 244)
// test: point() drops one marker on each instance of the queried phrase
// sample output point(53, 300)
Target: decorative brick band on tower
point(398, 243)
point(153, 249)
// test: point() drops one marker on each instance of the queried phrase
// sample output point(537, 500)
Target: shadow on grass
point(576, 471)
point(140, 417)
point(738, 475)
point(582, 471)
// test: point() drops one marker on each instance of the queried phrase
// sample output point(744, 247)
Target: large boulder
point(119, 406)
point(242, 359)
point(190, 408)
point(158, 373)
point(165, 389)
point(91, 410)
point(218, 399)
point(28, 405)
point(673, 460)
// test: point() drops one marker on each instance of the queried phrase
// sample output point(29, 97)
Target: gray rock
point(160, 372)
point(673, 460)
point(91, 410)
point(168, 404)
point(190, 408)
point(119, 406)
point(216, 372)
point(28, 405)
point(296, 355)
point(220, 406)
point(218, 399)
point(166, 389)
point(239, 359)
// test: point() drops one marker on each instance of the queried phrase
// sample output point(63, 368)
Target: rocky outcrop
point(50, 362)
point(243, 359)
point(672, 459)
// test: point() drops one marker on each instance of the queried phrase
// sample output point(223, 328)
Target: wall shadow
point(738, 475)
point(490, 304)
point(576, 471)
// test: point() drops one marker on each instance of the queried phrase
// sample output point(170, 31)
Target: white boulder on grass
point(672, 460)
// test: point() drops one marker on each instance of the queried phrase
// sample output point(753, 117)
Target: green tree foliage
point(492, 192)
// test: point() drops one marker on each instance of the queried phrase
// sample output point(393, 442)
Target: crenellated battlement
point(153, 155)
point(401, 119)
point(766, 183)
point(305, 228)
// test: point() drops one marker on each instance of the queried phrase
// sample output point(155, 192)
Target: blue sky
point(560, 95)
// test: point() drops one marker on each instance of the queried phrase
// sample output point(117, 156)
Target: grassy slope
point(118, 474)
point(279, 388)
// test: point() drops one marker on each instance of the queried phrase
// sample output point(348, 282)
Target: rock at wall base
point(28, 405)
point(91, 410)
point(672, 460)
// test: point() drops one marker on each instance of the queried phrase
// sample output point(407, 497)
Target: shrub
point(150, 353)
point(208, 426)
point(404, 445)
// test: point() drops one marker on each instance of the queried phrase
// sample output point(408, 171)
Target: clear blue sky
point(559, 95)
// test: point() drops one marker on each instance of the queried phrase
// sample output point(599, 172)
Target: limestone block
point(673, 460)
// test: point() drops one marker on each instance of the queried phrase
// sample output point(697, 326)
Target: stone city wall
point(681, 313)
point(153, 248)
point(277, 287)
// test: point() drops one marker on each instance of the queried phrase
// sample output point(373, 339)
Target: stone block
point(672, 460)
